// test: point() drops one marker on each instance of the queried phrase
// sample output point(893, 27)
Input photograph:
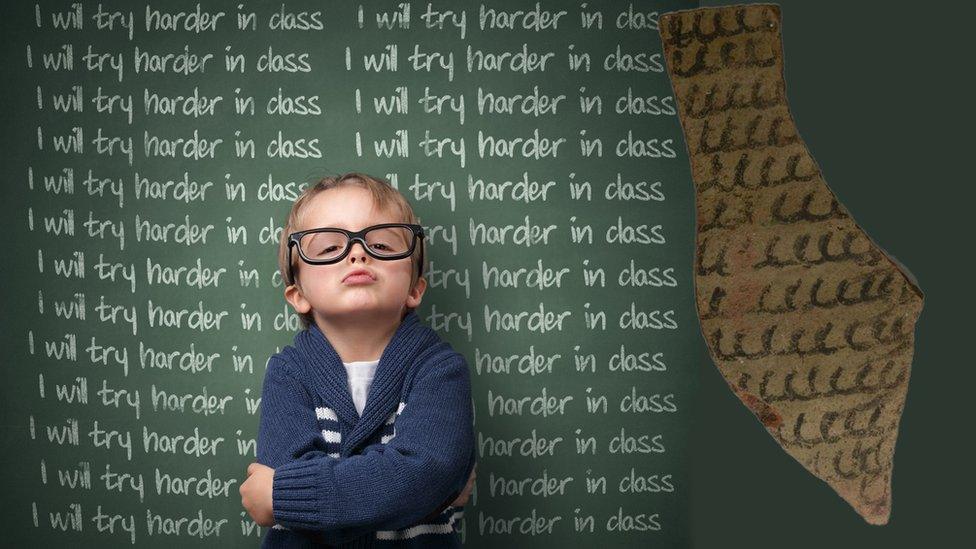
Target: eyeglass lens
point(385, 241)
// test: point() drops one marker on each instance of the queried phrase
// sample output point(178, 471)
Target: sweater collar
point(405, 347)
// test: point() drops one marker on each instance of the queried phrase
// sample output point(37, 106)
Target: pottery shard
point(809, 321)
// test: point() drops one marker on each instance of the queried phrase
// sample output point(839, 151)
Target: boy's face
point(321, 289)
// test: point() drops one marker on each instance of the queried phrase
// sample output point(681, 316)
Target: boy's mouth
point(359, 276)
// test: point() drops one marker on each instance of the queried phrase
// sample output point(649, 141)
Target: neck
point(359, 338)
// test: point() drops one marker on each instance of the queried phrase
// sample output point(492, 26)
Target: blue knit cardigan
point(380, 480)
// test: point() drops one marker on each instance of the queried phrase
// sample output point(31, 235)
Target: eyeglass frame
point(355, 236)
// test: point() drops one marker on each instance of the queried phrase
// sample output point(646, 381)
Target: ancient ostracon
point(809, 321)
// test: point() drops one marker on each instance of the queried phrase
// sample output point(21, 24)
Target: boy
point(366, 435)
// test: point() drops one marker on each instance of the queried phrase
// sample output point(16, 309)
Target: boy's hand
point(462, 499)
point(256, 494)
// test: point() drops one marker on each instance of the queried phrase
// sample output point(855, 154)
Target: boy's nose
point(362, 250)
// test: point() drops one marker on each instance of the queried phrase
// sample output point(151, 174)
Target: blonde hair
point(385, 198)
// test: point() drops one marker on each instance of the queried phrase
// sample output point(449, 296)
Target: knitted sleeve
point(289, 432)
point(393, 485)
point(288, 429)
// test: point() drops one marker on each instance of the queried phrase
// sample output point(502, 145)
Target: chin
point(363, 307)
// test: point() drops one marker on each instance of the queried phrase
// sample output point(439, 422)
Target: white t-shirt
point(360, 374)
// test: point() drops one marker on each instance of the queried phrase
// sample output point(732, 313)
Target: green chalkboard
point(151, 153)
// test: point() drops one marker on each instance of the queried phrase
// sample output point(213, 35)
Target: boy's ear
point(293, 294)
point(416, 294)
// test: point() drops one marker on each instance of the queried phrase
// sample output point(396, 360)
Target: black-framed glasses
point(327, 245)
